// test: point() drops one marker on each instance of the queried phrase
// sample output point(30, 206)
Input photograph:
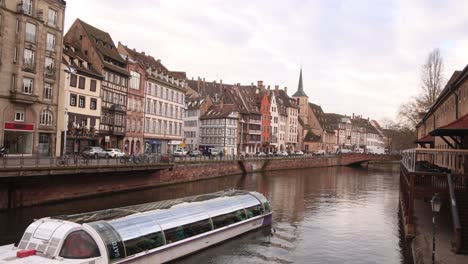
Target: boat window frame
point(88, 237)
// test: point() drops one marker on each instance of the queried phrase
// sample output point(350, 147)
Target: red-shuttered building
point(266, 119)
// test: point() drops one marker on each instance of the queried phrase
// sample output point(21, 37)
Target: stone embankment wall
point(27, 191)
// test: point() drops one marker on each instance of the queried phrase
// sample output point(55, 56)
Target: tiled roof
point(283, 98)
point(311, 137)
point(179, 75)
point(76, 54)
point(219, 111)
point(102, 41)
point(145, 59)
point(326, 122)
point(194, 103)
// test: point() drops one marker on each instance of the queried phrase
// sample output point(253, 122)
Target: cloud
point(357, 56)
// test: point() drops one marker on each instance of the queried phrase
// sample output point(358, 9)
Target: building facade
point(195, 108)
point(274, 122)
point(134, 133)
point(100, 50)
point(219, 129)
point(31, 49)
point(79, 105)
point(164, 109)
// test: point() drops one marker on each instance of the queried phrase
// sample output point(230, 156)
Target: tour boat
point(146, 233)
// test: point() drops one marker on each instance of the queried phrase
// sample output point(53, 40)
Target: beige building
point(79, 103)
point(30, 51)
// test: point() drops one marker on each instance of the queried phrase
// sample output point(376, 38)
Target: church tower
point(302, 99)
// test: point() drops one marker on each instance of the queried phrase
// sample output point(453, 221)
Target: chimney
point(286, 90)
point(353, 115)
point(260, 84)
point(203, 84)
point(276, 87)
point(268, 87)
point(251, 85)
point(198, 84)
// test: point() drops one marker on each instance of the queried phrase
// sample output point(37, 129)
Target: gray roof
point(300, 87)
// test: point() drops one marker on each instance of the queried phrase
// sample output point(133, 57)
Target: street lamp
point(436, 203)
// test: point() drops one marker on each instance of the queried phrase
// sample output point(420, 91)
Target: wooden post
point(411, 199)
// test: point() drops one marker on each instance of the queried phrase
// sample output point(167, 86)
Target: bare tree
point(432, 78)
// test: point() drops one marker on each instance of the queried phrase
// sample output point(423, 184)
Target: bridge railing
point(436, 160)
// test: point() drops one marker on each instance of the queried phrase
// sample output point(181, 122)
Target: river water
point(324, 215)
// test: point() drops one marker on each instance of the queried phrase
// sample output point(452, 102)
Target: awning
point(427, 139)
point(458, 127)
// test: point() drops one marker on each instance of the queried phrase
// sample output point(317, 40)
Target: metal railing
point(453, 160)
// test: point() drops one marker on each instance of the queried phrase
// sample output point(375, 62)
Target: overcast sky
point(360, 57)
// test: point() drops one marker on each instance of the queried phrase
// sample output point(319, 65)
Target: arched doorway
point(132, 147)
point(137, 148)
point(126, 146)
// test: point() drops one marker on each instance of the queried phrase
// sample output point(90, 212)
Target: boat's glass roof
point(184, 208)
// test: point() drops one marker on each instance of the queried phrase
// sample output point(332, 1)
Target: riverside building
point(99, 50)
point(80, 103)
point(30, 52)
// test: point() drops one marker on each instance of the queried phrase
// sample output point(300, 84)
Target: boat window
point(141, 244)
point(186, 231)
point(229, 218)
point(79, 245)
point(254, 210)
point(267, 207)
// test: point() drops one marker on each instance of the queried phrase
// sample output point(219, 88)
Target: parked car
point(319, 152)
point(93, 152)
point(260, 154)
point(113, 153)
point(282, 153)
point(215, 151)
point(299, 153)
point(180, 153)
point(358, 150)
point(195, 153)
point(343, 151)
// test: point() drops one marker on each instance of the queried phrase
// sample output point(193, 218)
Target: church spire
point(300, 88)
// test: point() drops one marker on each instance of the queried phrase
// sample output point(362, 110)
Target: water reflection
point(327, 215)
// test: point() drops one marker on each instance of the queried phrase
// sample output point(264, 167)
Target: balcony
point(49, 72)
point(255, 121)
point(29, 67)
point(255, 132)
point(23, 98)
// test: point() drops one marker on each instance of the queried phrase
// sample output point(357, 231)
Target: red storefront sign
point(16, 126)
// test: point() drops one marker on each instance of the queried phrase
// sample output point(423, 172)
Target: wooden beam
point(458, 143)
point(448, 143)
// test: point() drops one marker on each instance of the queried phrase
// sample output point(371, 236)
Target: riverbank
point(25, 191)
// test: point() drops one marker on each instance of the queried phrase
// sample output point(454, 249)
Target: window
point(92, 86)
point(81, 82)
point(27, 7)
point(29, 57)
point(228, 219)
point(49, 63)
point(186, 231)
point(30, 32)
point(79, 245)
point(19, 114)
point(135, 80)
point(46, 118)
point(93, 104)
point(52, 18)
point(50, 45)
point(82, 102)
point(73, 99)
point(73, 79)
point(47, 91)
point(27, 85)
